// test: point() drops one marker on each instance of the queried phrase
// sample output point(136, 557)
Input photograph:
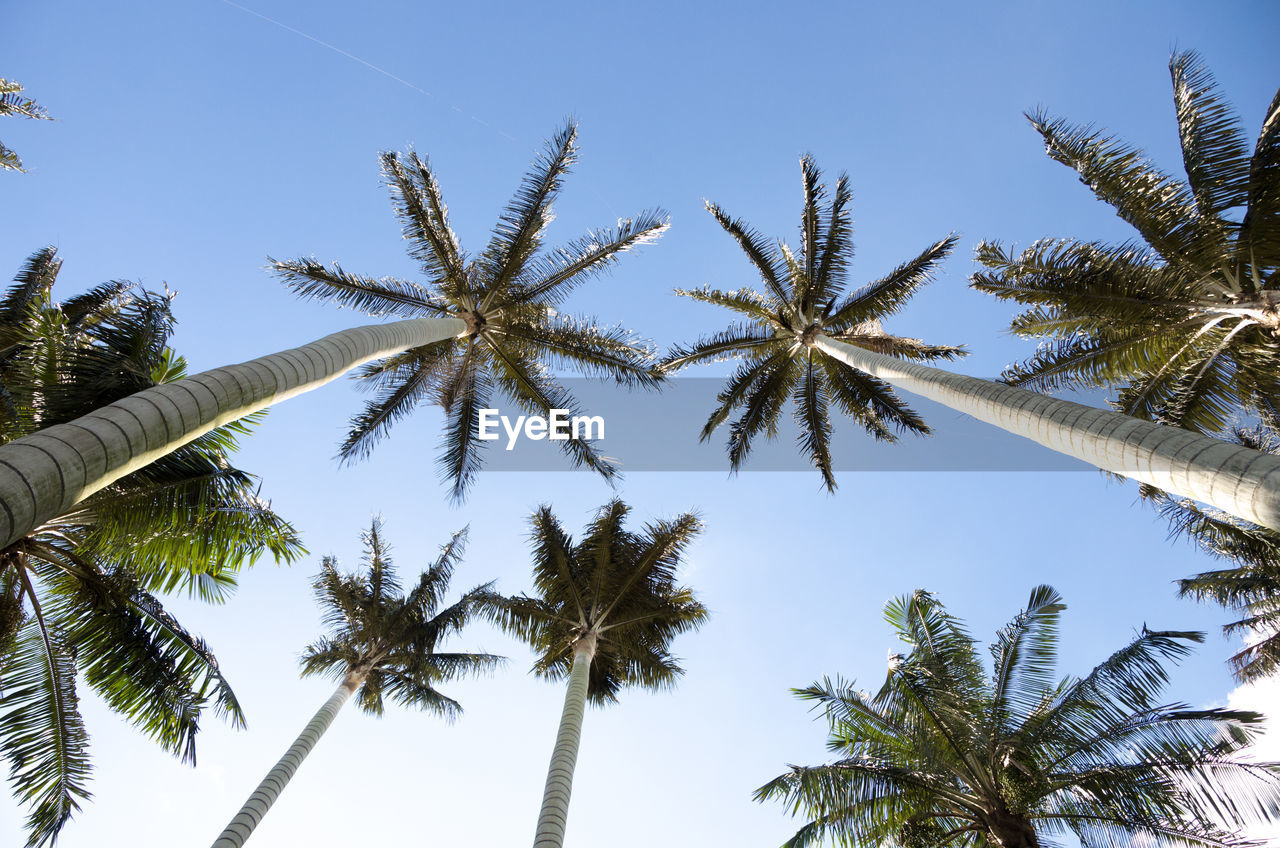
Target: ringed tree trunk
point(42, 475)
point(555, 796)
point(250, 815)
point(1243, 482)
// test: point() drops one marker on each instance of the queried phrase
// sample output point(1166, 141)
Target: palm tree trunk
point(44, 474)
point(1243, 482)
point(235, 834)
point(555, 797)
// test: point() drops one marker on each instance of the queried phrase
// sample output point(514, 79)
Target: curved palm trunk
point(44, 474)
point(555, 797)
point(1240, 481)
point(235, 834)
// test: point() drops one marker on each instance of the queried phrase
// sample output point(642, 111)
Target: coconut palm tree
point(604, 616)
point(945, 755)
point(381, 644)
point(1252, 584)
point(805, 295)
point(508, 293)
point(78, 592)
point(1187, 321)
point(13, 103)
point(508, 297)
point(801, 316)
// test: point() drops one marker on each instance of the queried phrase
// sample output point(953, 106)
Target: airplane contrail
point(355, 58)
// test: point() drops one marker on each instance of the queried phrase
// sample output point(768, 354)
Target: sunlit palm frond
point(945, 755)
point(518, 233)
point(550, 278)
point(386, 296)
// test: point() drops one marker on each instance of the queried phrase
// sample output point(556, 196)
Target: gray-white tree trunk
point(44, 474)
point(555, 797)
point(1243, 482)
point(235, 833)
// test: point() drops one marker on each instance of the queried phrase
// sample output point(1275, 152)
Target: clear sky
point(194, 139)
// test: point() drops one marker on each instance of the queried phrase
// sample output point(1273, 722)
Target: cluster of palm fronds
point(78, 594)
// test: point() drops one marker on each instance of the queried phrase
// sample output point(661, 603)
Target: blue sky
point(195, 139)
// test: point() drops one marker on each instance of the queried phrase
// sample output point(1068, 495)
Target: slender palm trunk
point(555, 797)
point(1240, 481)
point(237, 832)
point(44, 474)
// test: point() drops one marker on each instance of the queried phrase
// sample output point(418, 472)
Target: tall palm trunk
point(1243, 482)
point(235, 834)
point(555, 797)
point(44, 474)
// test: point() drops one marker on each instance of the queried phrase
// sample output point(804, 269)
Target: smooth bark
point(555, 796)
point(1243, 482)
point(237, 832)
point(45, 474)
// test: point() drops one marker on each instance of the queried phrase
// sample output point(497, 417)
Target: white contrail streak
point(355, 58)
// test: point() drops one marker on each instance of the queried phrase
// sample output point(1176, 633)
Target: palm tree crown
point(944, 755)
point(805, 296)
point(508, 296)
point(77, 593)
point(614, 589)
point(1189, 322)
point(387, 642)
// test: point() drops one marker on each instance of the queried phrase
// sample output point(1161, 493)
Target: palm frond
point(1213, 145)
point(518, 233)
point(549, 278)
point(386, 296)
point(419, 204)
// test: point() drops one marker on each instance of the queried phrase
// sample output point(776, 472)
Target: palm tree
point(806, 296)
point(1187, 321)
point(944, 755)
point(1252, 584)
point(381, 644)
point(78, 592)
point(800, 317)
point(44, 475)
point(604, 616)
point(507, 296)
point(13, 103)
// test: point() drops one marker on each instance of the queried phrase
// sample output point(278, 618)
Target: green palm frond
point(882, 298)
point(402, 384)
point(738, 340)
point(1213, 144)
point(944, 754)
point(550, 278)
point(766, 258)
point(386, 296)
point(518, 233)
point(420, 205)
point(595, 350)
point(528, 383)
point(41, 732)
point(1259, 243)
point(12, 102)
